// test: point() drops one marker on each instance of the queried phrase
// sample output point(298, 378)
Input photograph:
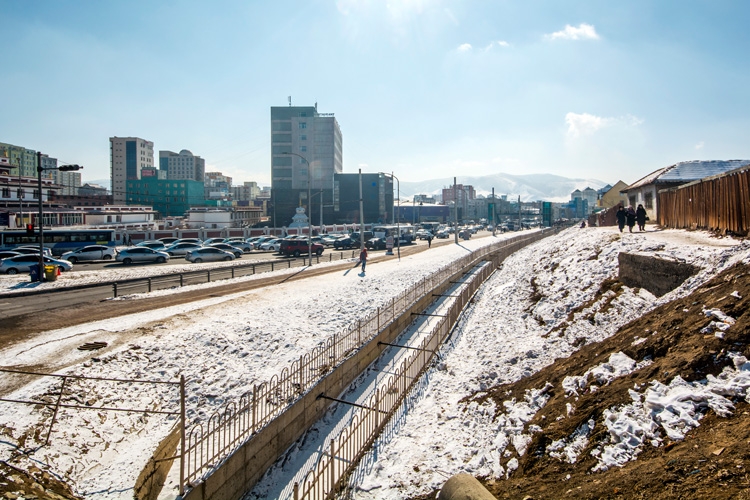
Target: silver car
point(208, 254)
point(23, 263)
point(90, 252)
point(141, 254)
point(179, 249)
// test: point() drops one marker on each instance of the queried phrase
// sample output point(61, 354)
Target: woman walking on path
point(621, 216)
point(640, 217)
point(630, 216)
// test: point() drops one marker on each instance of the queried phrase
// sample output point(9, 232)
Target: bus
point(58, 241)
point(431, 226)
point(405, 230)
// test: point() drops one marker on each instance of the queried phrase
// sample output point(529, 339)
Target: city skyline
point(425, 89)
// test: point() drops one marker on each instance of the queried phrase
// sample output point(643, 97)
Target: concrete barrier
point(464, 487)
point(151, 479)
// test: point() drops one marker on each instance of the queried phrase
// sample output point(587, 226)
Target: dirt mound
point(676, 339)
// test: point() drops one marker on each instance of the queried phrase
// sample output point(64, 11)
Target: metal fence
point(719, 203)
point(211, 442)
point(349, 447)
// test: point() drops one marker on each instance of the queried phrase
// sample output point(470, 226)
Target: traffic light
point(29, 228)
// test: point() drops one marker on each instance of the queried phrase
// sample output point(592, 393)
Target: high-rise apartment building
point(314, 139)
point(182, 165)
point(128, 156)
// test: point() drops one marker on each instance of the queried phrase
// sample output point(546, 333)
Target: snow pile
point(671, 410)
point(619, 364)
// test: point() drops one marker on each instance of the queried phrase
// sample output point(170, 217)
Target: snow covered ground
point(224, 345)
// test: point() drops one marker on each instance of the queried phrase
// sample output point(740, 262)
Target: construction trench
point(353, 401)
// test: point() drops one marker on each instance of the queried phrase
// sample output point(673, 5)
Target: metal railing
point(209, 443)
point(345, 451)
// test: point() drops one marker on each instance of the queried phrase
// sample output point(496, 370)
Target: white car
point(90, 252)
point(180, 249)
point(271, 245)
point(23, 263)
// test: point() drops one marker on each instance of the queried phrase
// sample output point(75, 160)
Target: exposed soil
point(713, 461)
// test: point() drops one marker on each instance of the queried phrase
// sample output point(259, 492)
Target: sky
point(425, 89)
point(223, 346)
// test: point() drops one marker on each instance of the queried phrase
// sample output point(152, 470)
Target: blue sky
point(423, 88)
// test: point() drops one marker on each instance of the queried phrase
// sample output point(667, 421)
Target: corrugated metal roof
point(687, 171)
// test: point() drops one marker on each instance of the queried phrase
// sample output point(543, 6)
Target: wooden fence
point(719, 203)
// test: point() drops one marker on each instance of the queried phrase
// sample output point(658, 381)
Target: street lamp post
point(309, 205)
point(39, 170)
point(398, 218)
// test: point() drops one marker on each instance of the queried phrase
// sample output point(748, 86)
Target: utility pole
point(455, 204)
point(361, 215)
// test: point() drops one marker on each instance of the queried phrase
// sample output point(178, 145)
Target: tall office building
point(128, 156)
point(316, 139)
point(184, 165)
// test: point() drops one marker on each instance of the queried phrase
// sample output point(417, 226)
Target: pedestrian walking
point(429, 241)
point(640, 217)
point(621, 217)
point(363, 259)
point(630, 216)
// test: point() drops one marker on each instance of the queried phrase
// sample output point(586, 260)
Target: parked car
point(423, 234)
point(168, 240)
point(209, 254)
point(375, 244)
point(132, 255)
point(211, 241)
point(179, 249)
point(271, 245)
point(9, 253)
point(188, 240)
point(299, 247)
point(345, 242)
point(442, 234)
point(26, 250)
point(240, 243)
point(90, 252)
point(153, 245)
point(23, 263)
point(227, 248)
point(329, 239)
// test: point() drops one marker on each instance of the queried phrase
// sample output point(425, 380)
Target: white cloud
point(584, 124)
point(700, 145)
point(464, 47)
point(499, 43)
point(580, 124)
point(582, 32)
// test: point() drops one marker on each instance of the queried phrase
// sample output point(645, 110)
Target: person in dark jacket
point(640, 217)
point(630, 216)
point(621, 217)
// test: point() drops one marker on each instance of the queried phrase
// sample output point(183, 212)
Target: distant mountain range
point(531, 187)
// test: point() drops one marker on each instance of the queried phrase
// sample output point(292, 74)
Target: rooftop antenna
point(316, 107)
point(290, 101)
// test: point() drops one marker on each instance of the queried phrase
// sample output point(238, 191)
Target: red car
point(299, 247)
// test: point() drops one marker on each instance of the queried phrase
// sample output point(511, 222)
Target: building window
point(303, 149)
point(303, 138)
point(302, 125)
point(6, 192)
point(648, 200)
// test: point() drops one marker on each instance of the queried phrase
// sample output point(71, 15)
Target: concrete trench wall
point(658, 276)
point(244, 468)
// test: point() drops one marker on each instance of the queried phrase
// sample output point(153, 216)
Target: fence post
point(301, 376)
point(208, 276)
point(378, 319)
point(255, 405)
point(296, 490)
point(182, 280)
point(114, 290)
point(333, 470)
point(149, 285)
point(182, 434)
point(57, 407)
